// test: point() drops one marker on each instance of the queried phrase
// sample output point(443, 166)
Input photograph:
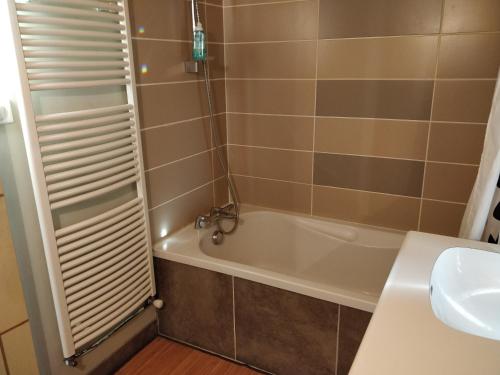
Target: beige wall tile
point(467, 16)
point(168, 143)
point(355, 18)
point(163, 60)
point(463, 101)
point(12, 307)
point(19, 351)
point(449, 182)
point(456, 143)
point(167, 219)
point(274, 194)
point(271, 97)
point(167, 182)
point(391, 176)
point(285, 165)
point(271, 131)
point(441, 217)
point(272, 60)
point(162, 19)
point(469, 56)
point(368, 208)
point(295, 20)
point(375, 99)
point(378, 58)
point(389, 138)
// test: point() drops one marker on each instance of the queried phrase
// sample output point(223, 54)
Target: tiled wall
point(178, 150)
point(266, 327)
point(17, 355)
point(367, 111)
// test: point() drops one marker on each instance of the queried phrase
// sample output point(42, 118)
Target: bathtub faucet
point(216, 214)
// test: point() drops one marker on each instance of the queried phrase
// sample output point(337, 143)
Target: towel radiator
point(100, 261)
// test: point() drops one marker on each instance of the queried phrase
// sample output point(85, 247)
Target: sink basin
point(465, 291)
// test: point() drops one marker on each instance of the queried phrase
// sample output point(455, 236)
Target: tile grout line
point(178, 122)
point(184, 194)
point(436, 68)
point(426, 121)
point(349, 189)
point(4, 357)
point(178, 160)
point(349, 154)
point(315, 103)
point(466, 33)
point(212, 121)
point(226, 100)
point(338, 341)
point(14, 327)
point(234, 322)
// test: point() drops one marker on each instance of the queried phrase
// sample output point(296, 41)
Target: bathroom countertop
point(404, 336)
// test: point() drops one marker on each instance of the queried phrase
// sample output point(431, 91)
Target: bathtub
point(327, 259)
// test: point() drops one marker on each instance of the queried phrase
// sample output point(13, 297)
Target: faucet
point(216, 215)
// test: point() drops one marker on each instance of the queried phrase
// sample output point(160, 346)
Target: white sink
point(465, 291)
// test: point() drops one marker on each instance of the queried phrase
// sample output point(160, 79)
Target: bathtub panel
point(198, 306)
point(284, 332)
point(352, 327)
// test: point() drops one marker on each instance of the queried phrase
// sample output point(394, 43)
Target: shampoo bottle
point(199, 46)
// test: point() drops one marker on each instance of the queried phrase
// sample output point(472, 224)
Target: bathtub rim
point(183, 247)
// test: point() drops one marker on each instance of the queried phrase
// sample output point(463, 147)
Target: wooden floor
point(163, 356)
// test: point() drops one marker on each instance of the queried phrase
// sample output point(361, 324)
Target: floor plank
point(165, 357)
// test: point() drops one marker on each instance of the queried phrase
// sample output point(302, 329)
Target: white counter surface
point(405, 338)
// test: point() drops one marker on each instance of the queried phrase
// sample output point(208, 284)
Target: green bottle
point(199, 46)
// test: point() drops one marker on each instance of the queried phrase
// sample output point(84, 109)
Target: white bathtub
point(327, 259)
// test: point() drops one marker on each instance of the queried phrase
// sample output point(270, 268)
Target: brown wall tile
point(368, 208)
point(391, 176)
point(218, 95)
point(214, 24)
point(216, 63)
point(170, 217)
point(270, 96)
point(375, 99)
point(162, 19)
point(456, 143)
point(441, 217)
point(274, 194)
point(168, 143)
point(284, 332)
point(389, 138)
point(379, 58)
point(162, 104)
point(271, 131)
point(167, 182)
point(467, 16)
point(285, 165)
point(221, 193)
point(353, 324)
point(272, 60)
point(469, 56)
point(463, 101)
point(198, 306)
point(355, 18)
point(163, 60)
point(449, 182)
point(286, 21)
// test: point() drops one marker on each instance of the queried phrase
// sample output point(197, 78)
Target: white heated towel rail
point(100, 267)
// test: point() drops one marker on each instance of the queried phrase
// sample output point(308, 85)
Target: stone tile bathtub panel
point(198, 306)
point(353, 324)
point(284, 332)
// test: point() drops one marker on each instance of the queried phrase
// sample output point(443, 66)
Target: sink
point(465, 291)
